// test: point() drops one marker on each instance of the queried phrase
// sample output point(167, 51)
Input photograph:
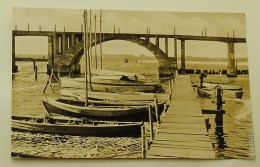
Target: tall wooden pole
point(100, 37)
point(85, 53)
point(89, 60)
point(95, 17)
point(90, 37)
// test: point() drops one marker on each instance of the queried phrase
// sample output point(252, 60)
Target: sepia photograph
point(96, 83)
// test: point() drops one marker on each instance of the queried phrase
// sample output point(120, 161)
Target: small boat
point(111, 84)
point(131, 76)
point(74, 126)
point(229, 90)
point(68, 108)
point(78, 94)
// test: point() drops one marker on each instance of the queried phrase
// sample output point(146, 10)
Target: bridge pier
point(157, 43)
point(14, 67)
point(166, 47)
point(175, 51)
point(63, 46)
point(232, 67)
point(52, 45)
point(182, 70)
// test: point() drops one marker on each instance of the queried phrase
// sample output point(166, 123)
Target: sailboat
point(70, 108)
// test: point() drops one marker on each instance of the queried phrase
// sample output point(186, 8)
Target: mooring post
point(40, 28)
point(164, 108)
point(170, 88)
point(151, 123)
point(143, 144)
point(35, 72)
point(219, 116)
point(34, 65)
point(156, 111)
point(207, 124)
point(28, 27)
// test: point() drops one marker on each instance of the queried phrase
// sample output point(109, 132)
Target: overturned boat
point(75, 126)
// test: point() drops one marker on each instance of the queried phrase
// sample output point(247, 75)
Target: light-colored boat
point(111, 84)
point(78, 94)
point(75, 126)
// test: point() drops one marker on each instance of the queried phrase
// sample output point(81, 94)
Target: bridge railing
point(155, 29)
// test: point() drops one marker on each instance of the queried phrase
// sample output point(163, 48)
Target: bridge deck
point(182, 133)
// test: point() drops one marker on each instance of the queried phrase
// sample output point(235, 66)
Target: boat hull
point(110, 85)
point(104, 129)
point(55, 107)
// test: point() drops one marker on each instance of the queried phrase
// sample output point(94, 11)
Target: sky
point(216, 24)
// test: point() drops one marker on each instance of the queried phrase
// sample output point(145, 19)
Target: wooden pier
point(182, 132)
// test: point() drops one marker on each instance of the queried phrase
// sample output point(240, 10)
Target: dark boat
point(68, 108)
point(75, 126)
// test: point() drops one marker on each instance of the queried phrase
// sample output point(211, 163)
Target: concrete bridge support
point(232, 67)
point(182, 57)
point(157, 43)
point(175, 51)
point(166, 47)
point(14, 67)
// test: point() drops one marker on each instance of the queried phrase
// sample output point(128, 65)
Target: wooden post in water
point(156, 111)
point(143, 144)
point(151, 123)
point(35, 72)
point(34, 65)
point(28, 27)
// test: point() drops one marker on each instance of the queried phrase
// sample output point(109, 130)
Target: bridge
point(66, 48)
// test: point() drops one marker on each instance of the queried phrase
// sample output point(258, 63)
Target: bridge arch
point(164, 61)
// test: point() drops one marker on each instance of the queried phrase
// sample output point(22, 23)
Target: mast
point(85, 53)
point(90, 37)
point(89, 60)
point(95, 17)
point(100, 39)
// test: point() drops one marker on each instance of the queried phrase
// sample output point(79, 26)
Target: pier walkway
point(182, 132)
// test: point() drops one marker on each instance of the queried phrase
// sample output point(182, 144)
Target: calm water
point(235, 140)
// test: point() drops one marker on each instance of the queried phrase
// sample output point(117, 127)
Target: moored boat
point(57, 106)
point(74, 126)
point(111, 84)
point(78, 94)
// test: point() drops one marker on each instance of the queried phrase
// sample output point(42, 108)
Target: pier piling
point(151, 123)
point(143, 144)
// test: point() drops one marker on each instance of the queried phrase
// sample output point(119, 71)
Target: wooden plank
point(182, 153)
point(199, 144)
point(183, 131)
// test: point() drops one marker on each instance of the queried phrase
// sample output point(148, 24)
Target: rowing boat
point(111, 84)
point(74, 126)
point(78, 94)
point(57, 106)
